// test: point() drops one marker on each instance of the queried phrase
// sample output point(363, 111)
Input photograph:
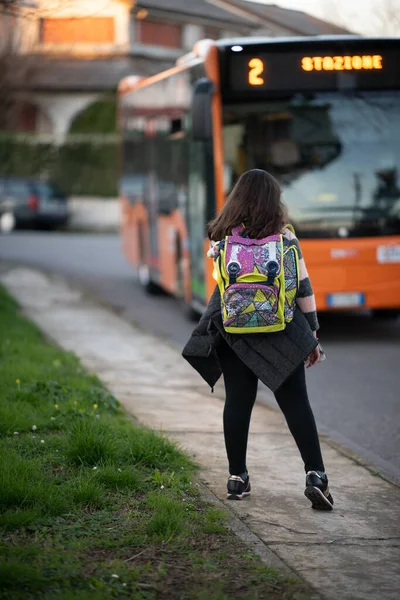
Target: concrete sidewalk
point(352, 553)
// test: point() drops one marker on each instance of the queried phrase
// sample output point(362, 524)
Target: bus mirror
point(201, 110)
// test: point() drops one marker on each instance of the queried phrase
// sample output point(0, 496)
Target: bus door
point(201, 209)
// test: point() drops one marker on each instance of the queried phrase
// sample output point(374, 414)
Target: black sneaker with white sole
point(238, 487)
point(317, 490)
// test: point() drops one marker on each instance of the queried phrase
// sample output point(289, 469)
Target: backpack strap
point(238, 230)
point(290, 227)
point(272, 266)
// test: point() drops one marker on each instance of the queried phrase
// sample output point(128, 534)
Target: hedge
point(84, 168)
point(99, 117)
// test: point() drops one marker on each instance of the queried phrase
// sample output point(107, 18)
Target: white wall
point(60, 110)
point(190, 35)
point(96, 214)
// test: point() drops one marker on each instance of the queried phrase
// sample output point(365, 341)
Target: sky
point(361, 16)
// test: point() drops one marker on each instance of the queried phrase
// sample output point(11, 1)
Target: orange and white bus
point(321, 114)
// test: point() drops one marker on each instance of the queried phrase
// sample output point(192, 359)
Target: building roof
point(196, 8)
point(99, 75)
point(293, 20)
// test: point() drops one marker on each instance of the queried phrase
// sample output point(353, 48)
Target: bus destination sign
point(342, 63)
point(298, 71)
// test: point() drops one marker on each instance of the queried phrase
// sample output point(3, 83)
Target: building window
point(87, 30)
point(156, 33)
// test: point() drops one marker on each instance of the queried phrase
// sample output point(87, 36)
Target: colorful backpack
point(258, 281)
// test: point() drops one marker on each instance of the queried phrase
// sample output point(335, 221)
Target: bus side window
point(177, 131)
point(203, 91)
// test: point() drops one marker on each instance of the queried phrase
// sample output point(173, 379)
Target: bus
point(321, 114)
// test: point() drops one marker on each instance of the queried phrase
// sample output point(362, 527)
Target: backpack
point(258, 281)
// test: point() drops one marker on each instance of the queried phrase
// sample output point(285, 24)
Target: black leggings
point(241, 390)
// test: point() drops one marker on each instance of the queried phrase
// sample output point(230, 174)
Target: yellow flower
point(17, 381)
point(56, 405)
point(95, 406)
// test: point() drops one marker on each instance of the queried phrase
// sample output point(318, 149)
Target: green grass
point(93, 505)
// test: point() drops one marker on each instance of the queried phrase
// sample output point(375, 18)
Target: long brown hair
point(255, 202)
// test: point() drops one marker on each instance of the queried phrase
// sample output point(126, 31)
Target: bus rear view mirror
point(201, 110)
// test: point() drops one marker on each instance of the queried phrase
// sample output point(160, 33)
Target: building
point(73, 51)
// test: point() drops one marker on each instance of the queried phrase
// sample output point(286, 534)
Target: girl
point(277, 359)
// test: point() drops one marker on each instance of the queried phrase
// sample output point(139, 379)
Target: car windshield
point(336, 156)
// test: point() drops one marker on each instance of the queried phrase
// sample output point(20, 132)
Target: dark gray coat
point(271, 356)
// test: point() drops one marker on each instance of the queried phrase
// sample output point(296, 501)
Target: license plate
point(388, 254)
point(348, 300)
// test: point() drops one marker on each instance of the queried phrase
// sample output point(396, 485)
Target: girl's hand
point(313, 358)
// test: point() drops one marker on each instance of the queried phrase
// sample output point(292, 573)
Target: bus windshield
point(337, 157)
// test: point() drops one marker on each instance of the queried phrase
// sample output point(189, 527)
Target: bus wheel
point(387, 314)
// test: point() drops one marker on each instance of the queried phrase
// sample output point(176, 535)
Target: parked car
point(31, 203)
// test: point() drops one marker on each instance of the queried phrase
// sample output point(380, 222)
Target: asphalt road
point(355, 393)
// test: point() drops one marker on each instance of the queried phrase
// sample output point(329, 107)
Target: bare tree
point(9, 50)
point(15, 70)
point(8, 6)
point(20, 57)
point(18, 60)
point(14, 7)
point(331, 12)
point(387, 20)
point(384, 18)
